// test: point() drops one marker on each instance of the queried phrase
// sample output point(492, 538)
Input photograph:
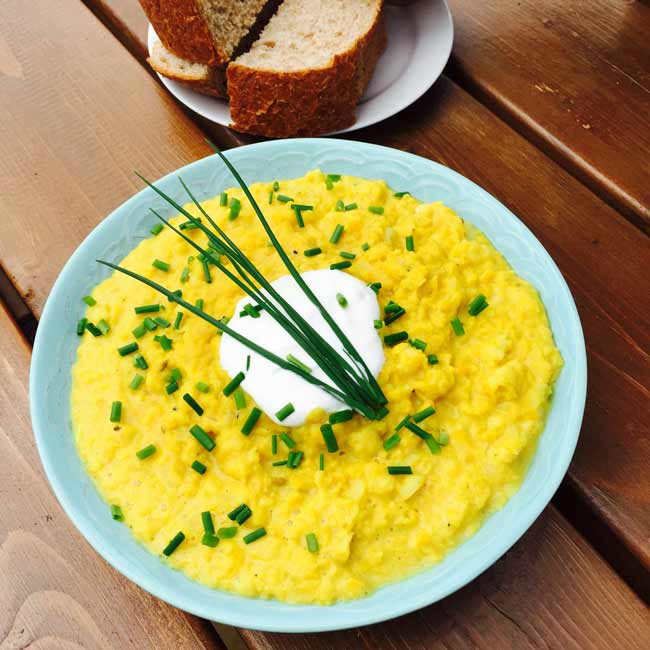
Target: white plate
point(420, 36)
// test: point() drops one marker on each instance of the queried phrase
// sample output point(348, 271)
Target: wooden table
point(547, 106)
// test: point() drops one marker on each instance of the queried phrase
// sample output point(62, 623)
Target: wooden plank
point(56, 591)
point(550, 591)
point(574, 77)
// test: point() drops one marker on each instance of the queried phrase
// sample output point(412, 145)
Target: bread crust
point(213, 84)
point(307, 102)
point(183, 31)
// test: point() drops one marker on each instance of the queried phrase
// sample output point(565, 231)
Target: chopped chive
point(342, 300)
point(178, 319)
point(208, 524)
point(160, 265)
point(199, 303)
point(399, 469)
point(271, 197)
point(365, 246)
point(254, 536)
point(392, 307)
point(298, 363)
point(477, 305)
point(93, 329)
point(139, 331)
point(402, 422)
point(150, 324)
point(395, 338)
point(229, 388)
point(378, 324)
point(243, 515)
point(294, 460)
point(457, 326)
point(201, 386)
point(206, 271)
point(116, 411)
point(312, 543)
point(176, 295)
point(341, 416)
point(340, 206)
point(430, 441)
point(424, 414)
point(351, 206)
point(433, 445)
point(146, 309)
point(224, 321)
point(330, 179)
point(227, 533)
point(116, 512)
point(338, 266)
point(145, 452)
point(165, 343)
point(347, 256)
point(136, 381)
point(410, 246)
point(376, 209)
point(279, 463)
point(171, 387)
point(193, 404)
point(393, 316)
point(321, 462)
point(156, 229)
point(163, 322)
point(399, 195)
point(276, 186)
point(329, 437)
point(232, 515)
point(250, 310)
point(299, 219)
point(185, 274)
point(251, 420)
point(336, 235)
point(432, 359)
point(418, 344)
point(103, 327)
point(329, 184)
point(274, 444)
point(175, 375)
point(198, 467)
point(302, 206)
point(223, 199)
point(312, 252)
point(284, 199)
point(240, 398)
point(391, 441)
point(375, 286)
point(210, 540)
point(188, 225)
point(81, 326)
point(248, 362)
point(288, 440)
point(443, 438)
point(139, 362)
point(202, 437)
point(235, 208)
point(285, 412)
point(176, 541)
point(89, 300)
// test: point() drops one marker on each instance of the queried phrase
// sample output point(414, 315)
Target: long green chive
point(418, 344)
point(288, 440)
point(393, 316)
point(235, 208)
point(201, 386)
point(165, 343)
point(312, 543)
point(251, 420)
point(185, 274)
point(146, 309)
point(176, 541)
point(136, 381)
point(378, 324)
point(340, 206)
point(210, 540)
point(127, 349)
point(457, 326)
point(365, 246)
point(139, 331)
point(227, 533)
point(254, 536)
point(341, 416)
point(424, 414)
point(243, 515)
point(208, 524)
point(279, 463)
point(199, 304)
point(232, 515)
point(410, 246)
point(156, 229)
point(395, 338)
point(297, 362)
point(160, 265)
point(336, 235)
point(116, 411)
point(351, 206)
point(312, 252)
point(202, 437)
point(432, 359)
point(477, 305)
point(116, 512)
point(347, 256)
point(229, 388)
point(193, 404)
point(339, 266)
point(342, 300)
point(391, 441)
point(375, 286)
point(274, 444)
point(399, 195)
point(399, 469)
point(223, 199)
point(294, 460)
point(150, 324)
point(321, 462)
point(284, 199)
point(276, 186)
point(139, 362)
point(178, 319)
point(171, 387)
point(145, 452)
point(198, 467)
point(285, 411)
point(240, 398)
point(89, 300)
point(376, 209)
point(81, 326)
point(163, 322)
point(329, 438)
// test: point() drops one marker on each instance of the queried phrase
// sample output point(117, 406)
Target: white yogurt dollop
point(271, 386)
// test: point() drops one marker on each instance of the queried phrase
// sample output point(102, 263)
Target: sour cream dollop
point(272, 387)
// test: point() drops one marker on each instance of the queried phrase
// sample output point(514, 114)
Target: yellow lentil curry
point(490, 387)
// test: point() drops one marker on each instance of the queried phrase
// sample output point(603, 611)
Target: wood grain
point(57, 593)
point(574, 77)
point(550, 591)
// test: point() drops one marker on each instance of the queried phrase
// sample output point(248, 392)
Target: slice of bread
point(308, 70)
point(208, 80)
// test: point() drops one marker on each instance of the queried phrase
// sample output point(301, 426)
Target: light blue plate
point(121, 231)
